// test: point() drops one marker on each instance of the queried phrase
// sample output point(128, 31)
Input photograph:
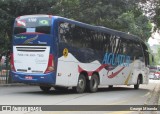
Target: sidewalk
point(159, 96)
point(13, 84)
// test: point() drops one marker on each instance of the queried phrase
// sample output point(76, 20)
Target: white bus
point(53, 51)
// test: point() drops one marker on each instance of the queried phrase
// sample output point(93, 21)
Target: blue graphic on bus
point(116, 59)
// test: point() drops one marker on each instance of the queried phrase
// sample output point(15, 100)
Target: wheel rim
point(81, 83)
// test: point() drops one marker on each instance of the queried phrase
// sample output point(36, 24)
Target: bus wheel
point(61, 88)
point(110, 86)
point(81, 84)
point(45, 88)
point(93, 83)
point(138, 83)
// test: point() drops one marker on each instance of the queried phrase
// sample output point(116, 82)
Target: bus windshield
point(32, 24)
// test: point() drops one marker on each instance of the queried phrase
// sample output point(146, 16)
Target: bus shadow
point(119, 89)
point(71, 91)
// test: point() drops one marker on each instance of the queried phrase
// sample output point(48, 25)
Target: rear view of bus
point(32, 60)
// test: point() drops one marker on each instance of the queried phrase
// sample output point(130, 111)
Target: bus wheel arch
point(85, 75)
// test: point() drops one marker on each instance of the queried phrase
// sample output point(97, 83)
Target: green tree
point(139, 26)
point(10, 9)
point(151, 8)
point(124, 15)
point(157, 57)
point(156, 17)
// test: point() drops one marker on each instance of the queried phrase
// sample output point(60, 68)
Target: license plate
point(28, 77)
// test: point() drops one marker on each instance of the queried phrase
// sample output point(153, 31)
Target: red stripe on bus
point(91, 72)
point(116, 73)
point(99, 69)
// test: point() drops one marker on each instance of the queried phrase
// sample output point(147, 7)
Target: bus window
point(32, 25)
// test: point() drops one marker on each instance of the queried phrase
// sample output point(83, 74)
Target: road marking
point(126, 101)
point(147, 94)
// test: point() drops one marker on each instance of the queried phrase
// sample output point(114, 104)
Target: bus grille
point(25, 70)
point(31, 49)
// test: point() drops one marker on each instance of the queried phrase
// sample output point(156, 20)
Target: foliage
point(10, 9)
point(152, 10)
point(139, 26)
point(157, 57)
point(156, 17)
point(124, 15)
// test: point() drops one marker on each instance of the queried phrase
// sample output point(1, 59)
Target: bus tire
point(93, 83)
point(81, 85)
point(61, 88)
point(110, 86)
point(45, 88)
point(136, 86)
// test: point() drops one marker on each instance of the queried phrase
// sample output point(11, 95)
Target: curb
point(13, 84)
point(159, 100)
point(159, 96)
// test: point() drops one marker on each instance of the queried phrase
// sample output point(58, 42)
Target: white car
point(152, 76)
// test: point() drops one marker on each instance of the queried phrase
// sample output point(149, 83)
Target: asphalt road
point(119, 95)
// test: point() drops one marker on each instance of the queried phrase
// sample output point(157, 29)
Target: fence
point(5, 73)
